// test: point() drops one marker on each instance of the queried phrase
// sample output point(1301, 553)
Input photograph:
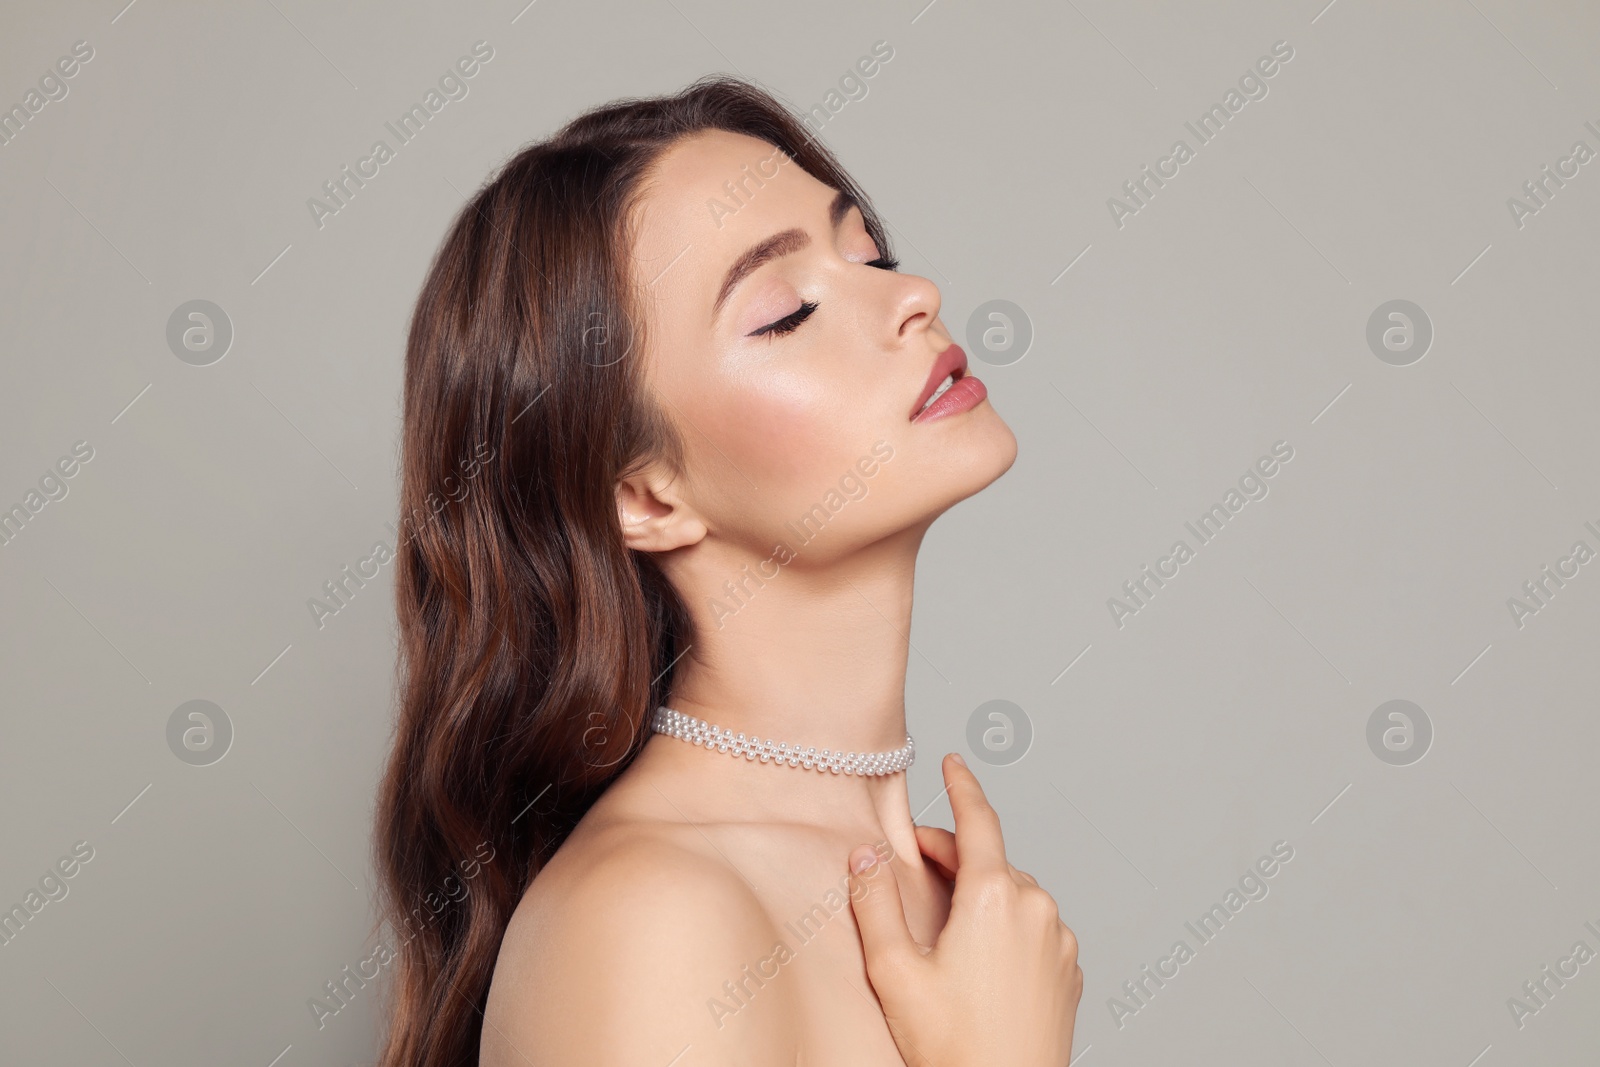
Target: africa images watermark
point(720, 209)
point(851, 486)
point(754, 977)
point(1252, 86)
point(1541, 990)
point(52, 485)
point(852, 86)
point(338, 589)
point(1542, 189)
point(52, 888)
point(452, 890)
point(52, 86)
point(1252, 886)
point(1252, 486)
point(1538, 589)
point(342, 187)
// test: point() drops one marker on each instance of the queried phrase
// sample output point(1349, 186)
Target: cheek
point(780, 429)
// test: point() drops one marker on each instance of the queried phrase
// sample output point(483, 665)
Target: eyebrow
point(779, 244)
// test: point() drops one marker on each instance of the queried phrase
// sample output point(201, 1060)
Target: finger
point(939, 845)
point(980, 850)
point(1023, 876)
point(880, 915)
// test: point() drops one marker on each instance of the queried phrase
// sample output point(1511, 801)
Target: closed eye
point(791, 322)
point(788, 323)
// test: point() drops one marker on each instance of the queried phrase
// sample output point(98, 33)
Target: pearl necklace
point(699, 732)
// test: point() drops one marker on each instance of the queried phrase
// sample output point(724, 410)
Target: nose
point(916, 305)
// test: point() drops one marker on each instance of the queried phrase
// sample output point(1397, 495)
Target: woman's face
point(792, 373)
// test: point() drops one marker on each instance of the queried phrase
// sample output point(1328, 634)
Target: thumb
point(880, 915)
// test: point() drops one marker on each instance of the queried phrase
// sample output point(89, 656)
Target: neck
point(808, 653)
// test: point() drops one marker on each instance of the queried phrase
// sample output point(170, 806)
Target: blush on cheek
point(779, 435)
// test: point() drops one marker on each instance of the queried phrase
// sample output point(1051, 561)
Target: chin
point(999, 451)
point(986, 450)
point(1007, 452)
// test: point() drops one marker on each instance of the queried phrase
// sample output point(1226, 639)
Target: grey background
point(1167, 755)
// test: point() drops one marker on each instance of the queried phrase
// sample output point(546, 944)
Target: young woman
point(675, 427)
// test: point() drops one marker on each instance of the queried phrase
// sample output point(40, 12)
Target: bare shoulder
point(632, 945)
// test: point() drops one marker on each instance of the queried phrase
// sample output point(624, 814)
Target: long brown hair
point(533, 643)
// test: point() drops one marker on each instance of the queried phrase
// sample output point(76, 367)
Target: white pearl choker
point(700, 732)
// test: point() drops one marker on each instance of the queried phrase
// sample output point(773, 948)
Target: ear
point(654, 515)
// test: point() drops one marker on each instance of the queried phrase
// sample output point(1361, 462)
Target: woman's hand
point(1001, 984)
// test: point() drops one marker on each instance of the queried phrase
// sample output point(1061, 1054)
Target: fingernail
point(957, 757)
point(865, 862)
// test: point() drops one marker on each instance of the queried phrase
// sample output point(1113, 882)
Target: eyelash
point(791, 322)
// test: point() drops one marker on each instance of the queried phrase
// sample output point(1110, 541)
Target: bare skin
point(700, 914)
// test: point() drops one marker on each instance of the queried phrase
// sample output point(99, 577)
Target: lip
point(966, 393)
point(952, 360)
